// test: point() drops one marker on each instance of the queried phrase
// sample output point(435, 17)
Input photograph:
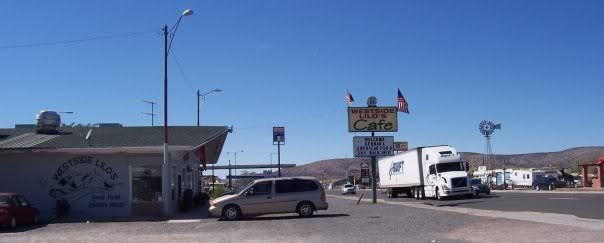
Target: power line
point(76, 40)
point(182, 73)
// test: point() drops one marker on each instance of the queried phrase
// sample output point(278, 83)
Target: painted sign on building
point(373, 146)
point(372, 119)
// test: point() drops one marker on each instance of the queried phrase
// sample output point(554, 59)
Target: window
point(528, 176)
point(22, 201)
point(453, 166)
point(261, 188)
point(146, 183)
point(432, 169)
point(4, 199)
point(295, 185)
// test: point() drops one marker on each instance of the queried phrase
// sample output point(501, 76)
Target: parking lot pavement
point(344, 221)
point(579, 204)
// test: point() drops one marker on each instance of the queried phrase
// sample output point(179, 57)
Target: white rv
point(435, 171)
point(526, 177)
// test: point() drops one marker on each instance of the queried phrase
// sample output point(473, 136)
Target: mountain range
point(567, 159)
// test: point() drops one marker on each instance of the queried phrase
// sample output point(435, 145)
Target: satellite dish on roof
point(88, 134)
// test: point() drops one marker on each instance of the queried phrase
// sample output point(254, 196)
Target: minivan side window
point(289, 186)
point(261, 188)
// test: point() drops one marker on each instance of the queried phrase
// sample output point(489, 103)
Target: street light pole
point(165, 167)
point(204, 98)
point(198, 107)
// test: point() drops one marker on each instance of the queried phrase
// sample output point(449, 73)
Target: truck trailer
point(435, 171)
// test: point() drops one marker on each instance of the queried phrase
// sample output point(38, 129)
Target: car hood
point(224, 198)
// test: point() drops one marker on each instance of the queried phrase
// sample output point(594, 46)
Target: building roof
point(107, 137)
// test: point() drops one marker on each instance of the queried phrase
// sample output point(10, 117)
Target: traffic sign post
point(278, 139)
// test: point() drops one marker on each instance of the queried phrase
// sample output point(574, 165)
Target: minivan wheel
point(305, 209)
point(231, 212)
point(12, 223)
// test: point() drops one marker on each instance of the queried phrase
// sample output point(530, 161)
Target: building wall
point(93, 185)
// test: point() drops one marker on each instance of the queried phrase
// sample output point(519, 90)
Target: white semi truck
point(435, 171)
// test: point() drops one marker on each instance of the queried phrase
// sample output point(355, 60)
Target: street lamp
point(204, 97)
point(167, 47)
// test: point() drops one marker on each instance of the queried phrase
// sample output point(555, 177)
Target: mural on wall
point(88, 178)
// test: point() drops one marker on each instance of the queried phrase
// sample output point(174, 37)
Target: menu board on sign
point(373, 146)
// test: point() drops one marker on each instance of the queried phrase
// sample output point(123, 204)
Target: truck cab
point(447, 173)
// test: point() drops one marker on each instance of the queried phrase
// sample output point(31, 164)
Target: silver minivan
point(302, 195)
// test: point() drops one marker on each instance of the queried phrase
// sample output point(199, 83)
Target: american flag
point(403, 106)
point(349, 98)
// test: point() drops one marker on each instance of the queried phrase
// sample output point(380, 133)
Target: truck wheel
point(417, 193)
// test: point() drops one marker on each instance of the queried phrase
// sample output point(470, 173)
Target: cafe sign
point(373, 146)
point(372, 119)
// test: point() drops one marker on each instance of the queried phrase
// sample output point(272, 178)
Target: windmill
point(487, 128)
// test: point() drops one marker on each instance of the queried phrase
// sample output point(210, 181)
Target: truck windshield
point(446, 167)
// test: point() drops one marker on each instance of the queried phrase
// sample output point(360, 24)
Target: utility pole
point(152, 113)
point(198, 95)
point(230, 178)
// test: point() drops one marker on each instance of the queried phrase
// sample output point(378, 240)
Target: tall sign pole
point(278, 139)
point(373, 119)
point(373, 175)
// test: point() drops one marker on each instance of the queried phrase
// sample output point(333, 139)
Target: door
point(289, 192)
point(258, 199)
point(431, 181)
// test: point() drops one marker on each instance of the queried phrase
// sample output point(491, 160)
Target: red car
point(15, 210)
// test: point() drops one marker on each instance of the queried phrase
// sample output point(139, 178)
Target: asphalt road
point(345, 221)
point(578, 204)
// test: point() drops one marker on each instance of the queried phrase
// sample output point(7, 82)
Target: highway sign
point(278, 135)
point(373, 146)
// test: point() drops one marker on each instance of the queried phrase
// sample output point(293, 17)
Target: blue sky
point(537, 67)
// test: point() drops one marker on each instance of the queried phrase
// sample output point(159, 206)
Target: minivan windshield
point(452, 166)
point(347, 185)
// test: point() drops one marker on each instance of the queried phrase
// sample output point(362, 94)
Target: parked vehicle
point(435, 171)
point(302, 195)
point(548, 182)
point(348, 189)
point(16, 210)
point(479, 187)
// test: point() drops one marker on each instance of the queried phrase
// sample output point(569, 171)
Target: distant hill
point(337, 168)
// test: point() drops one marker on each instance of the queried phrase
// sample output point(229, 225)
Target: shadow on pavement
point(294, 217)
point(455, 204)
point(22, 228)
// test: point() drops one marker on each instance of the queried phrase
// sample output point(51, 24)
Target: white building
point(108, 171)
